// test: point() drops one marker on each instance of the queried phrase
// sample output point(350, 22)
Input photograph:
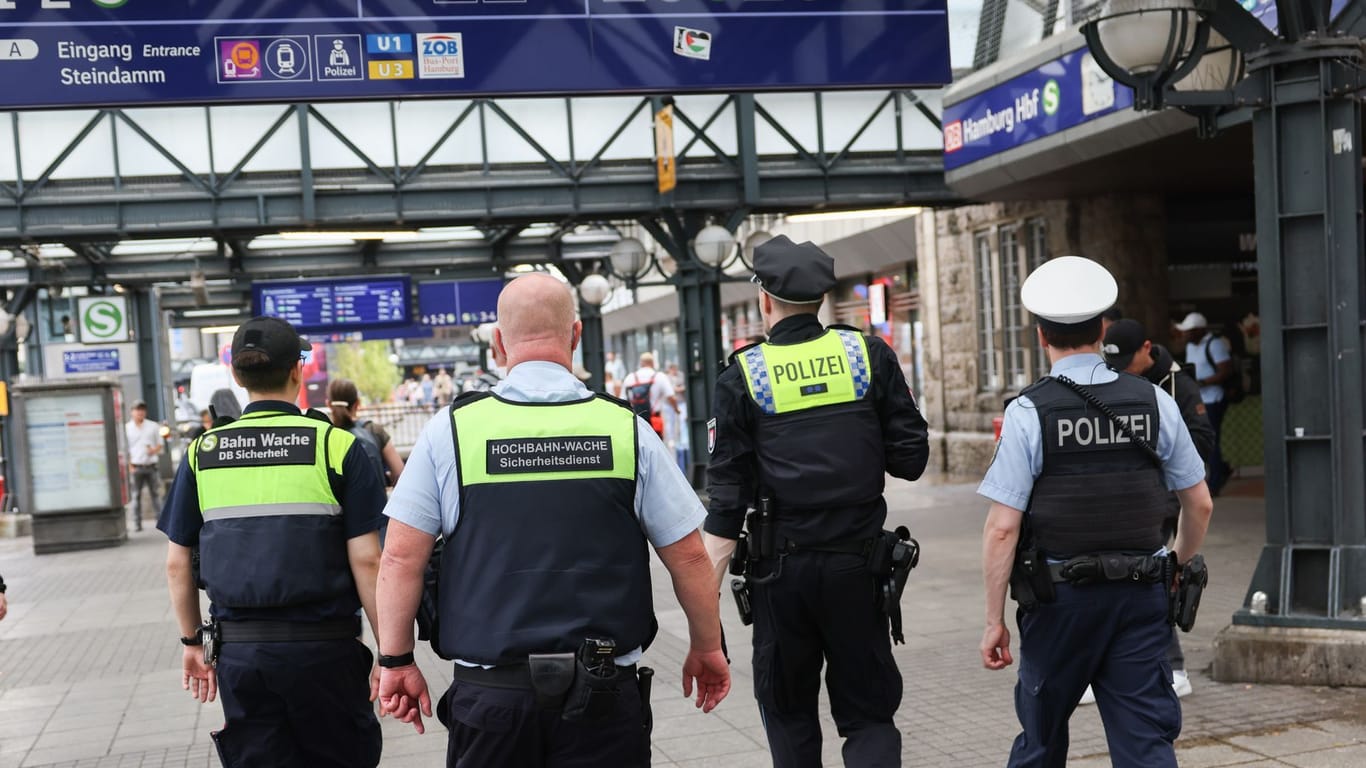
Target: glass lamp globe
point(1134, 33)
point(755, 240)
point(594, 290)
point(628, 257)
point(713, 244)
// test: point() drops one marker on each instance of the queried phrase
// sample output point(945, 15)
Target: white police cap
point(1069, 289)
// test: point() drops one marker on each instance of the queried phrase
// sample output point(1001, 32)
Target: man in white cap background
point(1079, 482)
point(1213, 363)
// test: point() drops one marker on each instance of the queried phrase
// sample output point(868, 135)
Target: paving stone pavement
point(89, 668)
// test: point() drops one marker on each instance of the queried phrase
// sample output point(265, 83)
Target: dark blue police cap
point(794, 273)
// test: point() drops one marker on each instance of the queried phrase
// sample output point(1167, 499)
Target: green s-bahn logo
point(109, 3)
point(103, 319)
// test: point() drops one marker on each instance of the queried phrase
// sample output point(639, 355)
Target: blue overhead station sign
point(1061, 94)
point(458, 302)
point(56, 53)
point(329, 306)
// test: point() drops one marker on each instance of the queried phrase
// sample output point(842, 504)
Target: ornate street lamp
point(1305, 612)
point(594, 290)
point(713, 245)
point(629, 259)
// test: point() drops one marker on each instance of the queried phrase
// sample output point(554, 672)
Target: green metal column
point(593, 358)
point(148, 332)
point(699, 326)
point(1307, 144)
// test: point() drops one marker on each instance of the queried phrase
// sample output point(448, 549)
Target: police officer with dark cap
point(806, 427)
point(1086, 459)
point(284, 510)
point(1128, 349)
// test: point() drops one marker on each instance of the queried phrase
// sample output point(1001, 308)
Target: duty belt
point(1112, 566)
point(287, 631)
point(516, 676)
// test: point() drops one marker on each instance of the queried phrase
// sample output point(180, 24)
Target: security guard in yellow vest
point(810, 422)
point(548, 499)
point(284, 510)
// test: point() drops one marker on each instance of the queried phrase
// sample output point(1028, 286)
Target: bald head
point(536, 321)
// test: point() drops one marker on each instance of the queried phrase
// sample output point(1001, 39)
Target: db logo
point(953, 136)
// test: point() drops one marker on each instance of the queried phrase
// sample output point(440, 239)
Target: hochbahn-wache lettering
point(56, 53)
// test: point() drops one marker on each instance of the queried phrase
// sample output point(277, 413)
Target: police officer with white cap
point(1080, 481)
point(809, 424)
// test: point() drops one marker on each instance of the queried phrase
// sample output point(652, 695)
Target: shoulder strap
point(1123, 425)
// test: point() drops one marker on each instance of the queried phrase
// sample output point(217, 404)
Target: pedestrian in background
point(144, 445)
point(343, 401)
point(1127, 348)
point(1213, 362)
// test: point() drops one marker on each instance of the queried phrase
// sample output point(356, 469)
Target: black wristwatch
point(401, 660)
point(196, 639)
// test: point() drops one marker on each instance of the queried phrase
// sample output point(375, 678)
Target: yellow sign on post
point(4, 398)
point(664, 149)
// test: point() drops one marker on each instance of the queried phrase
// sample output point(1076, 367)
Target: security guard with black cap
point(806, 427)
point(284, 510)
point(1079, 490)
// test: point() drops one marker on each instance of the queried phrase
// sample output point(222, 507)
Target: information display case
point(75, 477)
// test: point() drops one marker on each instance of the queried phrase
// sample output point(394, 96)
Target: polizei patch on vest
point(1092, 430)
point(263, 447)
point(811, 368)
point(549, 454)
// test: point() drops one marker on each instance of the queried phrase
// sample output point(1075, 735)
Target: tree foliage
point(367, 363)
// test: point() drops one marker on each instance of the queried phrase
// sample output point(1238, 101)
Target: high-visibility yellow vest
point(828, 370)
point(273, 534)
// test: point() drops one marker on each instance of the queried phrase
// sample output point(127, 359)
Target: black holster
point(891, 557)
point(1185, 598)
point(429, 606)
point(1030, 582)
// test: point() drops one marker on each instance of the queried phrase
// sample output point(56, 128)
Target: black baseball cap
point(794, 273)
point(273, 336)
point(1123, 339)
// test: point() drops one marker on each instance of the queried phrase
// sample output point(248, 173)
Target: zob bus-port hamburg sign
point(67, 53)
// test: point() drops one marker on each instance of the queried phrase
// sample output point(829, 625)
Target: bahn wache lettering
point(261, 445)
point(805, 370)
point(98, 53)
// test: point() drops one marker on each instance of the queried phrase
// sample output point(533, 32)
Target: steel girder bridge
point(485, 183)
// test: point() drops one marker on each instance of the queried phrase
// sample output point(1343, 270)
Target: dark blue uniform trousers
point(492, 727)
point(1113, 636)
point(824, 608)
point(297, 705)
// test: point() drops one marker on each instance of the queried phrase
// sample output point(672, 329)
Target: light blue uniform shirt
point(1019, 455)
point(428, 493)
point(1196, 355)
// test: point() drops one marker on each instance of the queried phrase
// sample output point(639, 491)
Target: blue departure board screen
point(458, 302)
point(124, 53)
point(326, 306)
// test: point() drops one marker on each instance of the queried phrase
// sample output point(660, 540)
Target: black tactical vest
point(547, 549)
point(825, 466)
point(1098, 491)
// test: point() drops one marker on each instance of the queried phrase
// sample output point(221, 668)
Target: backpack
point(370, 445)
point(638, 395)
point(1235, 386)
